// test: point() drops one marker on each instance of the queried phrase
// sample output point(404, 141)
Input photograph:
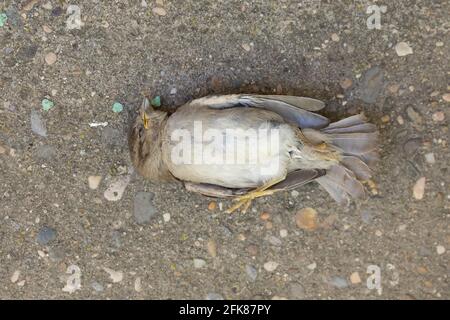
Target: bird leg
point(246, 200)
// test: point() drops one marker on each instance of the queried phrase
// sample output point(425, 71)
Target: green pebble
point(156, 102)
point(47, 104)
point(117, 107)
point(3, 19)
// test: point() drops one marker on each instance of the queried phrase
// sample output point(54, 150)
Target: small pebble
point(199, 263)
point(138, 284)
point(385, 119)
point(297, 291)
point(97, 286)
point(173, 91)
point(338, 282)
point(144, 209)
point(393, 88)
point(269, 225)
point(355, 278)
point(160, 2)
point(166, 217)
point(156, 101)
point(46, 235)
point(283, 233)
point(270, 266)
point(214, 296)
point(144, 4)
point(438, 116)
point(295, 193)
point(440, 250)
point(251, 272)
point(159, 11)
point(50, 58)
point(246, 47)
point(378, 233)
point(275, 241)
point(419, 188)
point(94, 182)
point(212, 206)
point(3, 19)
point(47, 29)
point(429, 158)
point(403, 49)
point(117, 107)
point(414, 115)
point(400, 120)
point(116, 276)
point(446, 97)
point(312, 266)
point(306, 219)
point(2, 150)
point(346, 83)
point(47, 104)
point(117, 188)
point(15, 276)
point(335, 37)
point(265, 216)
point(278, 298)
point(212, 248)
point(37, 124)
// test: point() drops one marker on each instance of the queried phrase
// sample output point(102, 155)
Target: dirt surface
point(61, 239)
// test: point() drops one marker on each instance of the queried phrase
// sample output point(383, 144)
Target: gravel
point(46, 235)
point(144, 209)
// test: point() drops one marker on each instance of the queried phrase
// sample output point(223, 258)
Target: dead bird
point(246, 146)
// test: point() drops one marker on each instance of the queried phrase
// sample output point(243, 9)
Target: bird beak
point(144, 107)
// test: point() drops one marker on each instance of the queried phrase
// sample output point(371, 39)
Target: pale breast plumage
point(235, 148)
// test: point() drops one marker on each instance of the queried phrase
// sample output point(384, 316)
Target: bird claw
point(246, 200)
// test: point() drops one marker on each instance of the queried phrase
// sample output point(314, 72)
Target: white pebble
point(15, 276)
point(94, 182)
point(283, 233)
point(429, 157)
point(440, 249)
point(138, 284)
point(403, 49)
point(117, 188)
point(312, 266)
point(270, 266)
point(116, 276)
point(166, 217)
point(199, 263)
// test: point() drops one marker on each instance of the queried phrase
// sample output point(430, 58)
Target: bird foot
point(245, 201)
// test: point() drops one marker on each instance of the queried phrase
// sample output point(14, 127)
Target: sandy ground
point(61, 239)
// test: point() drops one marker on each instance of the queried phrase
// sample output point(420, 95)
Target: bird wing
point(292, 181)
point(298, 110)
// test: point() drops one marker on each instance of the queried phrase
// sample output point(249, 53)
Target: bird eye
point(141, 132)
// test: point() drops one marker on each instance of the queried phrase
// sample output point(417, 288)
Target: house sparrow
point(247, 146)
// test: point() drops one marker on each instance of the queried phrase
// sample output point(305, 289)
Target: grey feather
point(363, 127)
point(337, 175)
point(290, 108)
point(298, 178)
point(335, 191)
point(355, 143)
point(299, 102)
point(357, 166)
point(348, 122)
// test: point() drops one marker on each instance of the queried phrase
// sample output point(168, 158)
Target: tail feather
point(358, 141)
point(357, 166)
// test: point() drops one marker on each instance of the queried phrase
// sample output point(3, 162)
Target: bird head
point(144, 140)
